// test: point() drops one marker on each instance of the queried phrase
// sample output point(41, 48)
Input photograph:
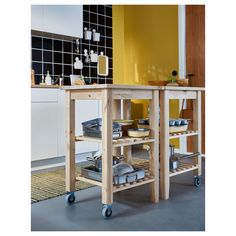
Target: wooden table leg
point(116, 114)
point(164, 146)
point(127, 116)
point(70, 143)
point(107, 175)
point(154, 157)
point(197, 125)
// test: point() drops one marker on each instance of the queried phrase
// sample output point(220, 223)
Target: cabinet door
point(63, 19)
point(43, 130)
point(37, 17)
point(84, 110)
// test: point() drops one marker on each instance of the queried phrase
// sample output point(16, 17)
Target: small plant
point(173, 77)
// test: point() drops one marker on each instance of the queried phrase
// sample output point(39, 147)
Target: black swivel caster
point(70, 198)
point(106, 211)
point(197, 181)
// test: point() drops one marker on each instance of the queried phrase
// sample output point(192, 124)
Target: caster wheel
point(70, 198)
point(197, 181)
point(106, 211)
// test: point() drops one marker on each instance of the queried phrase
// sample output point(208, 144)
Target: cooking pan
point(98, 161)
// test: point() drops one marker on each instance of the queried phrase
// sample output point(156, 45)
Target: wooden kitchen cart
point(167, 93)
point(111, 97)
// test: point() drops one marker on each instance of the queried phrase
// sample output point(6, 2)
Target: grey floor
point(132, 210)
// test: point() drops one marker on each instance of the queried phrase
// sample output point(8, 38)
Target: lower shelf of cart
point(186, 133)
point(183, 168)
point(121, 187)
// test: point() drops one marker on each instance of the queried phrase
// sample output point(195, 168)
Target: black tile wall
point(58, 56)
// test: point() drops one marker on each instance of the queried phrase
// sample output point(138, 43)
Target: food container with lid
point(138, 133)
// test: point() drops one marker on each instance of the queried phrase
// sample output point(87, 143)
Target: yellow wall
point(145, 47)
point(147, 36)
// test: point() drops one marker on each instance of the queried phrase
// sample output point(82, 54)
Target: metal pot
point(98, 161)
point(174, 161)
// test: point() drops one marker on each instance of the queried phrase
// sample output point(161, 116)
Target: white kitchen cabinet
point(37, 17)
point(58, 19)
point(90, 111)
point(91, 108)
point(48, 120)
point(43, 130)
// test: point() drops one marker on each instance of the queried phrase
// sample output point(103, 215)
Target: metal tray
point(93, 128)
point(91, 173)
point(130, 177)
point(98, 134)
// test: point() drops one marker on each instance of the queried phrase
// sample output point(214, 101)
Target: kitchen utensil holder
point(87, 34)
point(96, 36)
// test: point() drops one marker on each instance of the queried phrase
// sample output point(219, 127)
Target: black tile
point(37, 67)
point(86, 7)
point(57, 69)
point(101, 49)
point(87, 25)
point(85, 71)
point(110, 63)
point(109, 81)
point(84, 46)
point(93, 26)
point(57, 57)
point(47, 44)
point(102, 41)
point(67, 46)
point(101, 20)
point(94, 72)
point(101, 30)
point(110, 75)
point(47, 56)
point(109, 42)
point(101, 9)
point(93, 8)
point(86, 16)
point(108, 11)
point(108, 52)
point(76, 71)
point(94, 48)
point(47, 67)
point(67, 70)
point(36, 55)
point(101, 81)
point(36, 42)
point(57, 45)
point(109, 21)
point(108, 31)
point(93, 18)
point(66, 58)
point(93, 43)
point(67, 80)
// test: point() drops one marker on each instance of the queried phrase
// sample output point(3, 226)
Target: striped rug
point(52, 183)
